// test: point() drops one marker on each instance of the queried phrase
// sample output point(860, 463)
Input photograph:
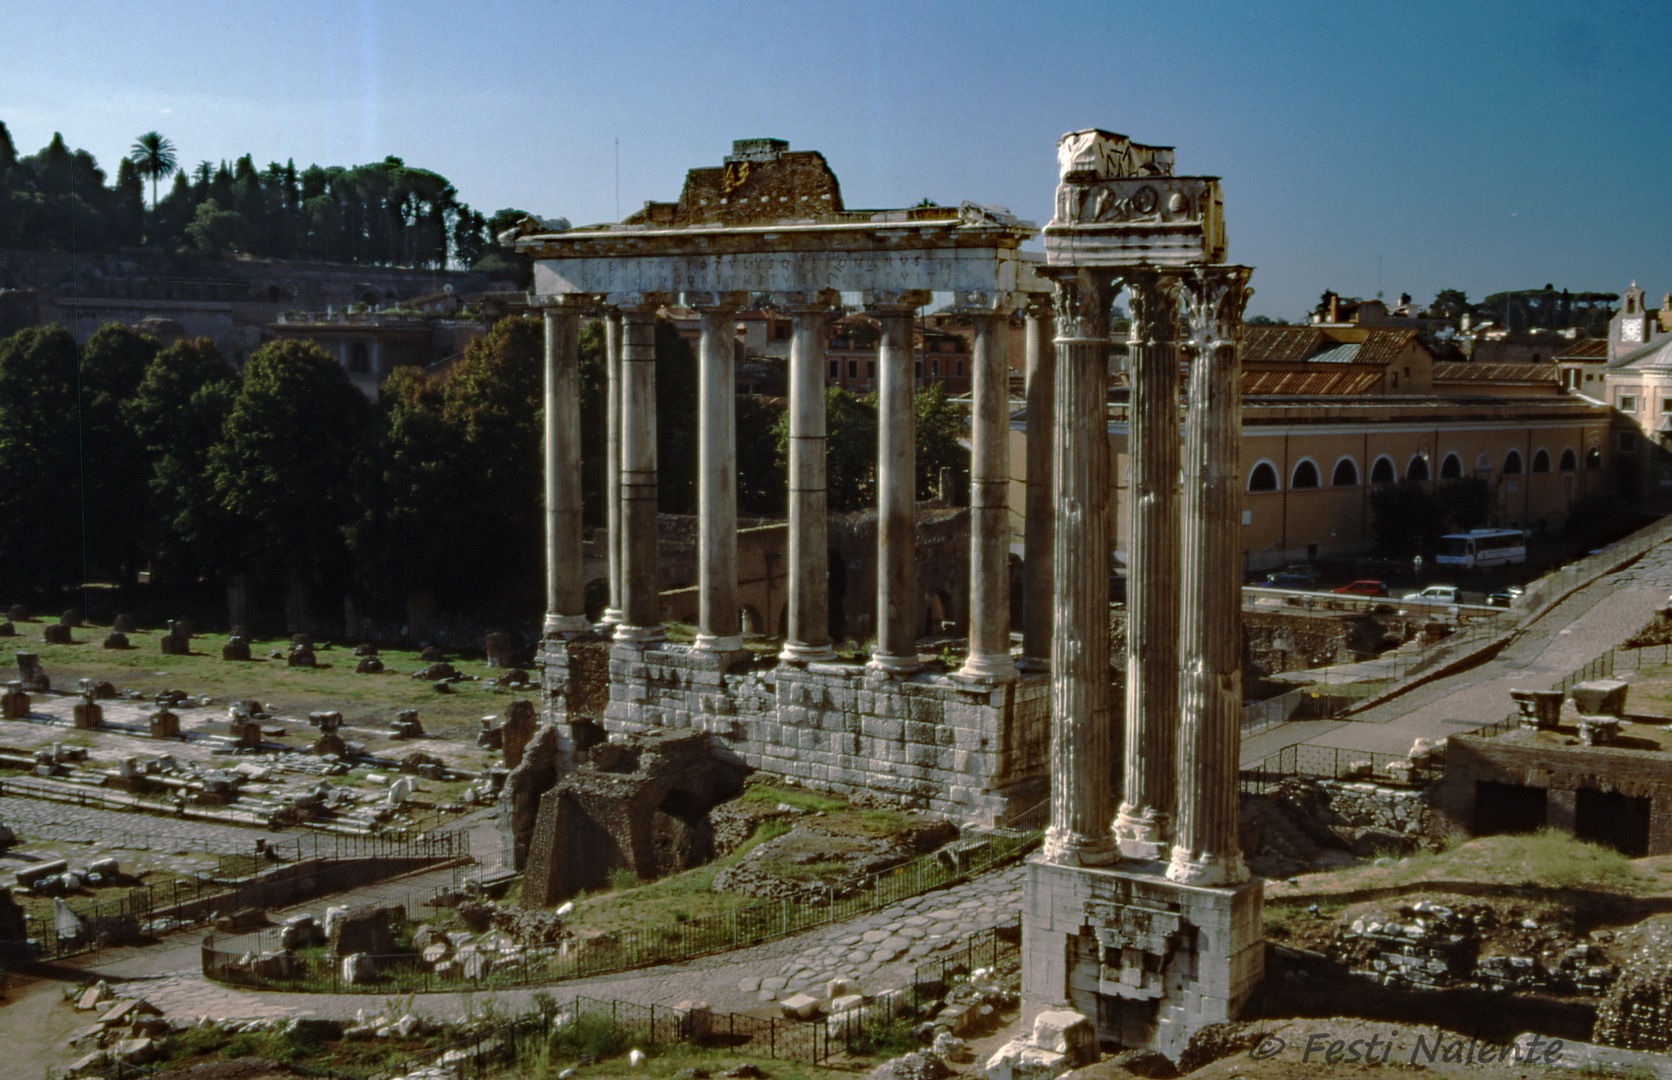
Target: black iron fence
point(265, 874)
point(1337, 763)
point(586, 1027)
point(258, 958)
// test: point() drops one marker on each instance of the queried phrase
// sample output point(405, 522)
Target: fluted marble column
point(807, 638)
point(1144, 824)
point(1082, 736)
point(565, 589)
point(1039, 513)
point(641, 599)
point(612, 460)
point(718, 626)
point(898, 617)
point(1207, 851)
point(989, 641)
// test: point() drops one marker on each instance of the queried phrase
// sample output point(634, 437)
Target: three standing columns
point(1206, 849)
point(1082, 738)
point(1041, 406)
point(807, 638)
point(640, 572)
point(989, 640)
point(565, 591)
point(897, 615)
point(719, 629)
point(1144, 826)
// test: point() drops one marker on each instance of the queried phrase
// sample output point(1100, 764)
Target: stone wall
point(930, 742)
point(1522, 759)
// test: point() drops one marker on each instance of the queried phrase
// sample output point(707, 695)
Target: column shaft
point(565, 589)
point(640, 571)
point(1207, 851)
point(1041, 406)
point(612, 460)
point(808, 635)
point(1082, 739)
point(1144, 825)
point(897, 602)
point(718, 629)
point(989, 641)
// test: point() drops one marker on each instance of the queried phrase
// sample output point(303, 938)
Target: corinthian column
point(989, 644)
point(565, 589)
point(612, 460)
point(1206, 851)
point(1039, 513)
point(897, 608)
point(807, 638)
point(641, 570)
point(1082, 742)
point(1144, 825)
point(718, 629)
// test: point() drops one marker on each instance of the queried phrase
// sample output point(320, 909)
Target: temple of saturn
point(1139, 914)
point(970, 744)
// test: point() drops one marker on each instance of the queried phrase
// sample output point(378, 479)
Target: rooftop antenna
point(1378, 276)
point(618, 178)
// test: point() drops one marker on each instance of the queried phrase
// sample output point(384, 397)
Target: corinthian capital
point(1213, 299)
point(1154, 297)
point(1081, 304)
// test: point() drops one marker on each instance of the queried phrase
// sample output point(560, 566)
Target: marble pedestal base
point(1147, 960)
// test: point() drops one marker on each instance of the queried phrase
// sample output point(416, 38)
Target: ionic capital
point(730, 300)
point(895, 301)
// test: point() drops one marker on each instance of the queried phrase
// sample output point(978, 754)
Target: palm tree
point(153, 155)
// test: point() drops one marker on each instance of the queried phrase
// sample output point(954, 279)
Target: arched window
point(1541, 461)
point(1305, 475)
point(1345, 474)
point(1263, 478)
point(1569, 462)
point(1593, 458)
point(1451, 467)
point(357, 359)
point(1417, 469)
point(1382, 472)
point(1512, 463)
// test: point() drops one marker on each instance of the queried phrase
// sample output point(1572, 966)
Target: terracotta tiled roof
point(1376, 346)
point(1383, 347)
point(1334, 383)
point(1279, 344)
point(1588, 349)
point(1499, 373)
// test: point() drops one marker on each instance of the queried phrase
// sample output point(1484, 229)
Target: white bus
point(1482, 548)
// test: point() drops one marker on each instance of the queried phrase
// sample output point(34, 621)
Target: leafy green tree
point(939, 425)
point(1449, 303)
point(850, 449)
point(762, 482)
point(40, 489)
point(281, 468)
point(676, 421)
point(177, 414)
point(1406, 519)
point(113, 465)
point(154, 157)
point(214, 229)
point(1467, 502)
point(127, 210)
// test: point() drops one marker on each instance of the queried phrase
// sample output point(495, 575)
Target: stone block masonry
point(973, 751)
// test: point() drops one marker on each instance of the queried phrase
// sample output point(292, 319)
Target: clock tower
point(1632, 327)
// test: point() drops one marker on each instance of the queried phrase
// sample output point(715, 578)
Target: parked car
point(1436, 594)
point(1505, 597)
point(1363, 587)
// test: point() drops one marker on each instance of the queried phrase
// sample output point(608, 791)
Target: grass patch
point(370, 700)
point(799, 800)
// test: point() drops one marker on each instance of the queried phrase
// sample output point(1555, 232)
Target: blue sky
point(1481, 145)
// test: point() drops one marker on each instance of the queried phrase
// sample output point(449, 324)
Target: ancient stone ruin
point(640, 805)
point(1150, 929)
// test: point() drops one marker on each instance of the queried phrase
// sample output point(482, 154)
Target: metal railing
point(250, 878)
point(584, 1027)
point(258, 959)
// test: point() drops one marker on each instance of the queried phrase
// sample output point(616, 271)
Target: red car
point(1366, 587)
